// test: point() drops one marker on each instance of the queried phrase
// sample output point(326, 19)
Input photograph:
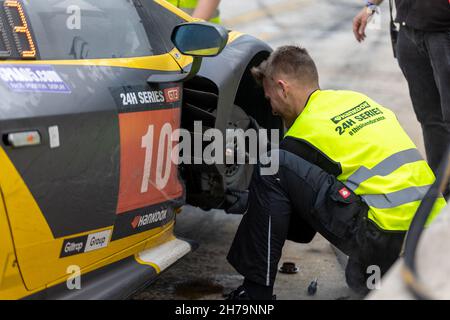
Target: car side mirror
point(199, 39)
point(196, 39)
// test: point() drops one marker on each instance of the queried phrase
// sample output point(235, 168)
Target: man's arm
point(308, 152)
point(360, 21)
point(205, 9)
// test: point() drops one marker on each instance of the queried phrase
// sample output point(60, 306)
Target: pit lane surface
point(324, 27)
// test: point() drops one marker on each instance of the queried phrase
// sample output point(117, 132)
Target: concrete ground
point(205, 273)
point(324, 28)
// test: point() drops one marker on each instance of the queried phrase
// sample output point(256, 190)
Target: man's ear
point(284, 86)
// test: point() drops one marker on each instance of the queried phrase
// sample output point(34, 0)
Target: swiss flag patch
point(344, 193)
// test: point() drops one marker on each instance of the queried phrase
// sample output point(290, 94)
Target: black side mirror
point(196, 39)
point(199, 39)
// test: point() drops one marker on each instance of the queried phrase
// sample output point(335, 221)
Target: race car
point(90, 90)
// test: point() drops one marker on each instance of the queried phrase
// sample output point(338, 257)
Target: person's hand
point(360, 23)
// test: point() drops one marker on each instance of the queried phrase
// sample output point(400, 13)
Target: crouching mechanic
point(346, 170)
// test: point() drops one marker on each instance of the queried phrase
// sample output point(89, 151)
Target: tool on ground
point(312, 288)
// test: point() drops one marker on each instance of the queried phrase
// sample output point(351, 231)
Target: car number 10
point(163, 166)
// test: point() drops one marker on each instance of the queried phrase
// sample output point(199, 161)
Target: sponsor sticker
point(97, 240)
point(172, 94)
point(146, 98)
point(33, 78)
point(144, 219)
point(73, 246)
point(149, 218)
point(85, 243)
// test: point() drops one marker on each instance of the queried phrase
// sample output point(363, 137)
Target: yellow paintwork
point(38, 252)
point(146, 240)
point(13, 288)
point(181, 59)
point(153, 265)
point(163, 62)
point(5, 241)
point(10, 278)
point(204, 52)
point(233, 36)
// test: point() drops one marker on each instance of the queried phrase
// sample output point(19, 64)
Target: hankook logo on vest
point(144, 220)
point(85, 243)
point(351, 112)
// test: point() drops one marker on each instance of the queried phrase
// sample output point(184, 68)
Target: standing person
point(423, 53)
point(346, 170)
point(202, 9)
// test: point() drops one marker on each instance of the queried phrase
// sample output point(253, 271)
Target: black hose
point(409, 271)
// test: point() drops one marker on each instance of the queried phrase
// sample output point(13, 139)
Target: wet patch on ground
point(198, 288)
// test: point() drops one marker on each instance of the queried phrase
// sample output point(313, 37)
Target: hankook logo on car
point(143, 220)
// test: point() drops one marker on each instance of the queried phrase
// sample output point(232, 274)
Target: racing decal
point(355, 119)
point(172, 94)
point(141, 220)
point(86, 243)
point(33, 78)
point(147, 118)
point(148, 218)
point(145, 98)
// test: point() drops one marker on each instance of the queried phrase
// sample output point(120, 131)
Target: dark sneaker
point(241, 294)
point(238, 294)
point(237, 201)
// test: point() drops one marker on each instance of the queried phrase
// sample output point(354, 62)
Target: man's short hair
point(293, 61)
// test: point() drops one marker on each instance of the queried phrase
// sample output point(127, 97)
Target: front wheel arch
point(250, 97)
point(206, 185)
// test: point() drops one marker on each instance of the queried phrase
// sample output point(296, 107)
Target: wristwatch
point(371, 7)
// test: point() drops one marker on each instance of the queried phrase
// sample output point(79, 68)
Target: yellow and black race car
point(89, 90)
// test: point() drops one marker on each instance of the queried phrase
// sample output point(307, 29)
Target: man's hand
point(360, 23)
point(205, 9)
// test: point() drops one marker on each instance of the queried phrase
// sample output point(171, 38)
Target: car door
point(79, 171)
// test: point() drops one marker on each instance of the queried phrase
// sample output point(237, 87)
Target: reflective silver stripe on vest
point(385, 167)
point(395, 199)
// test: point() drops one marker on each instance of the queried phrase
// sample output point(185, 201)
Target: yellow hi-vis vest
point(189, 6)
point(378, 160)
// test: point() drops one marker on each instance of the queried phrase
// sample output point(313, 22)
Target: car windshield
point(88, 29)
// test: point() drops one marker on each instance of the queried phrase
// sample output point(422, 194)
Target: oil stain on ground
point(197, 288)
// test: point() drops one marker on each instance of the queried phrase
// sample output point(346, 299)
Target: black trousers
point(424, 58)
point(295, 203)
